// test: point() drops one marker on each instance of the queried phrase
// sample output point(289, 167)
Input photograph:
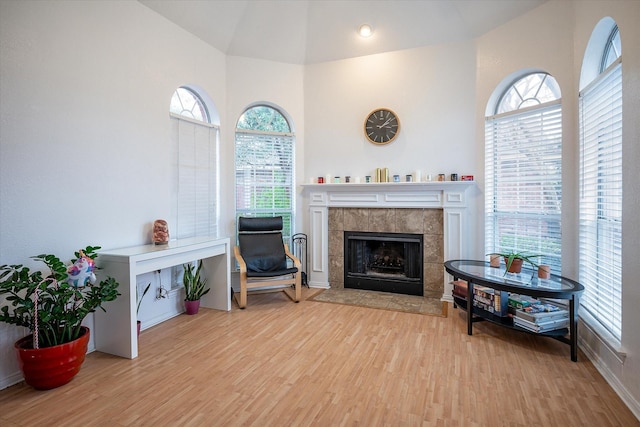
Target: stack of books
point(541, 317)
point(491, 300)
point(459, 289)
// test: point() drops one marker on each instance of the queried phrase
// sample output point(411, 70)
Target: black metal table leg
point(469, 308)
point(573, 326)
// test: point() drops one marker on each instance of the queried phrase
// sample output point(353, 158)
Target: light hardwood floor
point(283, 364)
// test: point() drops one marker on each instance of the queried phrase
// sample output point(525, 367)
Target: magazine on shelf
point(520, 301)
point(542, 316)
point(550, 325)
point(542, 308)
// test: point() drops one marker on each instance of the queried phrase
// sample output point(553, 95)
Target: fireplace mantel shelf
point(430, 185)
point(441, 194)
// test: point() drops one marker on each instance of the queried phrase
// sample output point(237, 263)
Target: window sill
point(604, 336)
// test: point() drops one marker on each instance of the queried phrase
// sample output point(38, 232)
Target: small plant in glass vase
point(195, 287)
point(514, 260)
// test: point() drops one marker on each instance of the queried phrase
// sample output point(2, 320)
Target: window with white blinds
point(523, 193)
point(600, 269)
point(195, 180)
point(264, 175)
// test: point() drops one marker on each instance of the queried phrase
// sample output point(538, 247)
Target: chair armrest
point(241, 263)
point(292, 257)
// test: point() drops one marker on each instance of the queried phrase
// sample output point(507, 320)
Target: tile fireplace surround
point(435, 209)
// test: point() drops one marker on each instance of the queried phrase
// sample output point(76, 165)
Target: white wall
point(505, 52)
point(85, 132)
point(431, 89)
point(559, 33)
point(252, 81)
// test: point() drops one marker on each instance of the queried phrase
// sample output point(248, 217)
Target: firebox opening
point(387, 262)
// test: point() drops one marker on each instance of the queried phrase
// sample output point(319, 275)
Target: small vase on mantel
point(191, 307)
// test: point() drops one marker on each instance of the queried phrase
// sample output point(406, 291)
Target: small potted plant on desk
point(195, 287)
point(514, 260)
point(53, 307)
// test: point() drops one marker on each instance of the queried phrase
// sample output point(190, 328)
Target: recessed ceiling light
point(365, 30)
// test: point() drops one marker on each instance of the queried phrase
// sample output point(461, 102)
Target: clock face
point(381, 126)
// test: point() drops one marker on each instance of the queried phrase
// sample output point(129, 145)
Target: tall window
point(195, 145)
point(523, 158)
point(264, 166)
point(600, 109)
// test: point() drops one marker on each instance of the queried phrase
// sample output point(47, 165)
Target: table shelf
point(506, 321)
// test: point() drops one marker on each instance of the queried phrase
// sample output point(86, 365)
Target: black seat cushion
point(263, 252)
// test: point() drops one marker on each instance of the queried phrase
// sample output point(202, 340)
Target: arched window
point(612, 50)
point(195, 148)
point(523, 168)
point(529, 91)
point(187, 103)
point(600, 223)
point(264, 165)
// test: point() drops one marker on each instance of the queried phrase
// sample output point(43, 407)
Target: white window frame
point(600, 207)
point(195, 145)
point(264, 175)
point(523, 180)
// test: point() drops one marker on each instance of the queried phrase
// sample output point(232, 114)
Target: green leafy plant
point(57, 307)
point(194, 286)
point(510, 256)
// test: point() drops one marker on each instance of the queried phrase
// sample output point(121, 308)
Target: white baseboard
point(610, 378)
point(11, 379)
point(159, 319)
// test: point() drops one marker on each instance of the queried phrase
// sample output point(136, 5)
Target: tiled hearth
point(428, 222)
point(435, 209)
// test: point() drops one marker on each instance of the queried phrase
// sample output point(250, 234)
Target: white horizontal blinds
point(523, 170)
point(600, 268)
point(264, 175)
point(197, 178)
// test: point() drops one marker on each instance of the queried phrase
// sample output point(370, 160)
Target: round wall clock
point(381, 126)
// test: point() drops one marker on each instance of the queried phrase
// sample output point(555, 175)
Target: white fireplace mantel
point(447, 195)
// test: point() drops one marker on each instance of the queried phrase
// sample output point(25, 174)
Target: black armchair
point(262, 257)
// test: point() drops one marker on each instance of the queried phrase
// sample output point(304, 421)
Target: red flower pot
point(51, 367)
point(191, 307)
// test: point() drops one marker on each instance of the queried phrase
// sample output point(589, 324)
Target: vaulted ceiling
point(312, 31)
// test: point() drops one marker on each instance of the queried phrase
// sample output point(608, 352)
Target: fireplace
point(387, 262)
point(436, 210)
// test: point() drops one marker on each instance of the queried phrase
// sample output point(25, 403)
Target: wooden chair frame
point(270, 284)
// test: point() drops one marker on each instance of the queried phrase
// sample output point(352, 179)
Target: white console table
point(115, 330)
